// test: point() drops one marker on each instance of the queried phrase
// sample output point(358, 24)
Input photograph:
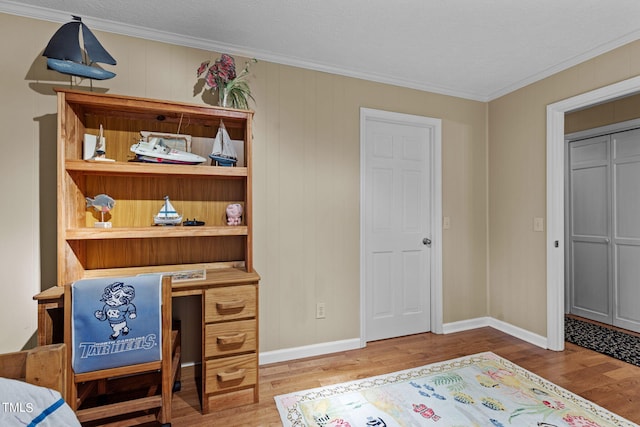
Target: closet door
point(626, 236)
point(588, 225)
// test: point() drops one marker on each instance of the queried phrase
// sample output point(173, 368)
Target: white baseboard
point(507, 328)
point(465, 325)
point(355, 343)
point(308, 351)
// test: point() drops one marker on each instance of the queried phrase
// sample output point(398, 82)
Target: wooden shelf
point(154, 232)
point(140, 169)
point(196, 191)
point(147, 108)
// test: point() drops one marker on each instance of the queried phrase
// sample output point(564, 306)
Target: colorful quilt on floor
point(479, 390)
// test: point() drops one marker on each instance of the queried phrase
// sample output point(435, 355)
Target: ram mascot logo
point(117, 308)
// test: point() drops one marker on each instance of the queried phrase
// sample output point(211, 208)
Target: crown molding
point(98, 24)
point(51, 15)
point(565, 65)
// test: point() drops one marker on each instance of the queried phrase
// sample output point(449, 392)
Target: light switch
point(446, 222)
point(538, 224)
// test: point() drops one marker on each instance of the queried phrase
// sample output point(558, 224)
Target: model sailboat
point(223, 153)
point(65, 55)
point(167, 215)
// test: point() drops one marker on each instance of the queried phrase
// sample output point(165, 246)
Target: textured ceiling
point(475, 49)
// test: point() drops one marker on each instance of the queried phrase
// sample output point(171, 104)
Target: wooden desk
point(229, 332)
point(52, 298)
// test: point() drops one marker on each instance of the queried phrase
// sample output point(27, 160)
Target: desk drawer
point(229, 303)
point(231, 372)
point(230, 337)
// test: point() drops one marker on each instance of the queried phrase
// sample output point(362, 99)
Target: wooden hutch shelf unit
point(133, 245)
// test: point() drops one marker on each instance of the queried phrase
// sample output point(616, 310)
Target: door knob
point(426, 241)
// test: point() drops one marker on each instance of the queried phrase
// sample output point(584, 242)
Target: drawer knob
point(230, 305)
point(238, 374)
point(232, 339)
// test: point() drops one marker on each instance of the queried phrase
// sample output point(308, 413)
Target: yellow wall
point(517, 183)
point(616, 111)
point(306, 184)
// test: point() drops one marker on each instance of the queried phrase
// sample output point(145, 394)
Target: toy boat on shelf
point(223, 153)
point(193, 223)
point(65, 55)
point(167, 215)
point(157, 151)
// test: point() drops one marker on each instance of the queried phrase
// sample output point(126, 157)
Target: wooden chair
point(130, 388)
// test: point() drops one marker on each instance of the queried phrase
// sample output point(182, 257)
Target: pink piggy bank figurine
point(234, 214)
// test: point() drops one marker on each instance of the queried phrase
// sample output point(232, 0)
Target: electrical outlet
point(320, 311)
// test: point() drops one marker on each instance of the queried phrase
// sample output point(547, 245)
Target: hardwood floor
point(610, 383)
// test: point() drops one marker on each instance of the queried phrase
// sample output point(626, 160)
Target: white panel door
point(604, 228)
point(589, 230)
point(397, 203)
point(626, 236)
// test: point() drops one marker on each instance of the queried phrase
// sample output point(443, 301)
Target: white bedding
point(23, 404)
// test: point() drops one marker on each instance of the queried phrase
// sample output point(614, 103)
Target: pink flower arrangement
point(220, 73)
point(221, 77)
